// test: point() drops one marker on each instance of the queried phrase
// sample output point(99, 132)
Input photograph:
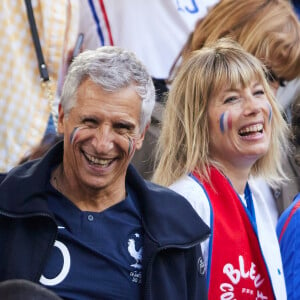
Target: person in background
point(288, 236)
point(222, 126)
point(288, 223)
point(26, 103)
point(269, 30)
point(81, 221)
point(287, 190)
point(154, 30)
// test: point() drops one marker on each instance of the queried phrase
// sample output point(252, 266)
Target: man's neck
point(85, 198)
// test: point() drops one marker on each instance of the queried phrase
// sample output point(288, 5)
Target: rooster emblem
point(136, 254)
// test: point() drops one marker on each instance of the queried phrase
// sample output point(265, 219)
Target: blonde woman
point(221, 127)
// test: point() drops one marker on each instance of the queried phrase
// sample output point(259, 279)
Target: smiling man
point(80, 221)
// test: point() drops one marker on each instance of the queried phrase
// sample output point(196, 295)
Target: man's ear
point(60, 124)
point(139, 141)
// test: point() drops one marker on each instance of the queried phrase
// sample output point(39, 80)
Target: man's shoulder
point(18, 183)
point(18, 173)
point(29, 178)
point(153, 190)
point(2, 176)
point(35, 169)
point(161, 208)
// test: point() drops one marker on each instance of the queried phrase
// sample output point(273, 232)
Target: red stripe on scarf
point(237, 268)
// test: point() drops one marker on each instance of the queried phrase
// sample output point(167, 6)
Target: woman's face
point(239, 125)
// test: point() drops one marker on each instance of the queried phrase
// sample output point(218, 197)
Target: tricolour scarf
point(236, 267)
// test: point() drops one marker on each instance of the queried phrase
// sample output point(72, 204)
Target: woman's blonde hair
point(183, 145)
point(268, 29)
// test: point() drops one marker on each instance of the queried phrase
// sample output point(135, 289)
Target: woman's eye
point(259, 92)
point(230, 99)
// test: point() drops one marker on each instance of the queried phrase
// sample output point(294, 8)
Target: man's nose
point(103, 139)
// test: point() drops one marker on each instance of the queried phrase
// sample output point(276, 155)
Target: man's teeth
point(98, 161)
point(253, 128)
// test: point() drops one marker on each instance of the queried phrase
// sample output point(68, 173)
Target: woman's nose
point(252, 105)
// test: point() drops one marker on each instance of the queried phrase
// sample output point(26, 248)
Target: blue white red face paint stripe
point(225, 121)
point(270, 112)
point(74, 134)
point(131, 146)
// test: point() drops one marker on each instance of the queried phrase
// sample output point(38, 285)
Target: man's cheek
point(131, 146)
point(76, 133)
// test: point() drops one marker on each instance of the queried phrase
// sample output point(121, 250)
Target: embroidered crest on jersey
point(135, 250)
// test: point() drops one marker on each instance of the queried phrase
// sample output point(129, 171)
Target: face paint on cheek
point(131, 146)
point(225, 121)
point(74, 135)
point(270, 112)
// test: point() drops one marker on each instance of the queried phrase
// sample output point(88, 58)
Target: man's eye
point(90, 122)
point(121, 126)
point(124, 127)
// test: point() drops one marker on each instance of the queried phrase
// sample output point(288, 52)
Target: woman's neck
point(238, 178)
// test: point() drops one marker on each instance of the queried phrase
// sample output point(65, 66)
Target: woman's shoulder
point(194, 192)
point(187, 187)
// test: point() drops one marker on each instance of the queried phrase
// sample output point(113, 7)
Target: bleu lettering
point(258, 283)
point(233, 274)
point(242, 267)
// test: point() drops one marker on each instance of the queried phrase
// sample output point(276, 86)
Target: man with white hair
point(80, 220)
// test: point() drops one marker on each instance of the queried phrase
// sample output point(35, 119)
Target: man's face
point(101, 134)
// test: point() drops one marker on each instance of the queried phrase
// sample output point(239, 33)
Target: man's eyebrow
point(88, 117)
point(125, 122)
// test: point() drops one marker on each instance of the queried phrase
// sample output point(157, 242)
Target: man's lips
point(102, 162)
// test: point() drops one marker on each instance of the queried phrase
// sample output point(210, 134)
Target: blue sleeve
point(289, 242)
